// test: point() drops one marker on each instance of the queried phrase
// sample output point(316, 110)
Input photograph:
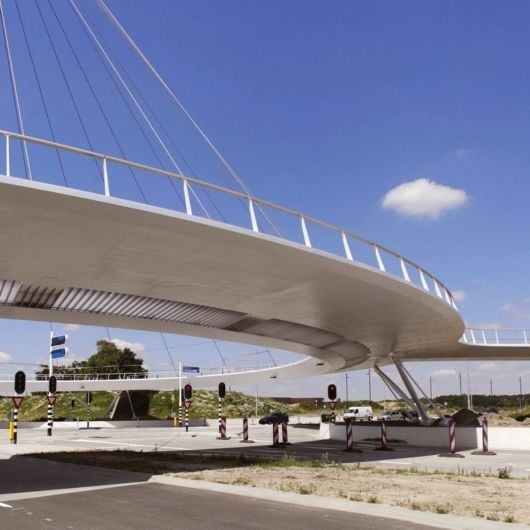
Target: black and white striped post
point(187, 416)
point(15, 425)
point(50, 418)
point(219, 412)
point(88, 401)
point(485, 441)
point(245, 432)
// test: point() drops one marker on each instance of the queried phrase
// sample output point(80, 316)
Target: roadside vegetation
point(492, 496)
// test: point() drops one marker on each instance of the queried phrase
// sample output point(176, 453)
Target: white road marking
point(127, 444)
point(4, 505)
point(391, 462)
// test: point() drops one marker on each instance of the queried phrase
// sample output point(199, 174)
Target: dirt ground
point(488, 497)
point(495, 496)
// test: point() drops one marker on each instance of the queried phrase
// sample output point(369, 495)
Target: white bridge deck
point(81, 257)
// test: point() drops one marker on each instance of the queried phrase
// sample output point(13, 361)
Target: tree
point(108, 359)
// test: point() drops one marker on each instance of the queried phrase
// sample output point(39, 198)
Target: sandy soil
point(488, 497)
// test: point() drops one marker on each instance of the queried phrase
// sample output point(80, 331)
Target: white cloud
point(423, 198)
point(136, 347)
point(459, 296)
point(5, 357)
point(520, 312)
point(462, 152)
point(443, 373)
point(489, 367)
point(71, 327)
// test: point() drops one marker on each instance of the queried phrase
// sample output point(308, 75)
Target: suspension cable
point(183, 109)
point(220, 354)
point(15, 93)
point(168, 352)
point(98, 102)
point(39, 86)
point(131, 95)
point(69, 89)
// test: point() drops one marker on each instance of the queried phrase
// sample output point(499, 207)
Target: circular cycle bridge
point(84, 257)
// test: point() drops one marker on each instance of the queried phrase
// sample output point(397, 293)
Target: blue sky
point(325, 107)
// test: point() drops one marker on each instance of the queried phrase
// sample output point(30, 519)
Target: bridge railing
point(496, 337)
point(304, 229)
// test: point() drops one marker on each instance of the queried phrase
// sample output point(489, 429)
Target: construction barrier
point(452, 440)
point(245, 432)
point(275, 436)
point(285, 439)
point(223, 430)
point(384, 439)
point(349, 438)
point(485, 444)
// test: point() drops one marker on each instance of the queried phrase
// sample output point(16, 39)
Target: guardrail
point(373, 254)
point(496, 337)
point(150, 374)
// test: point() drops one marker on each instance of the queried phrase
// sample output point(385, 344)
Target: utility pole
point(347, 394)
point(370, 386)
point(430, 386)
point(469, 397)
point(180, 394)
point(491, 386)
point(460, 381)
point(520, 393)
point(257, 402)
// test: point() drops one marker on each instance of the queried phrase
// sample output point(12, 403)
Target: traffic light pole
point(50, 373)
point(180, 394)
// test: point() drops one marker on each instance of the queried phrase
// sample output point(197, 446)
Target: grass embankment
point(493, 496)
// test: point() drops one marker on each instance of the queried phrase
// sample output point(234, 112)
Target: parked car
point(358, 413)
point(488, 409)
point(274, 418)
point(411, 416)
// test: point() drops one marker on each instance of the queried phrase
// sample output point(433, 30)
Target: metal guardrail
point(163, 374)
point(496, 337)
point(384, 259)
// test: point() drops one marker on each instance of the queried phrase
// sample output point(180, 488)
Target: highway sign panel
point(191, 369)
point(57, 354)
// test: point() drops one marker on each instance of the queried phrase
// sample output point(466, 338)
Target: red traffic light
point(332, 392)
point(222, 390)
point(188, 392)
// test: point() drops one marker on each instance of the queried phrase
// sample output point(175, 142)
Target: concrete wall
point(510, 438)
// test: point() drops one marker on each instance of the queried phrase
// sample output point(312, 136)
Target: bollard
point(285, 439)
point(15, 425)
point(452, 441)
point(349, 438)
point(223, 430)
point(50, 419)
point(245, 432)
point(485, 448)
point(384, 439)
point(275, 436)
point(11, 430)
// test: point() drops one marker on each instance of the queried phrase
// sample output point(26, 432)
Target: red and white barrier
point(485, 435)
point(349, 436)
point(384, 444)
point(245, 432)
point(452, 435)
point(275, 435)
point(285, 439)
point(223, 430)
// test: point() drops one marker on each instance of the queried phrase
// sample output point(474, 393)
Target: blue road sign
point(57, 354)
point(191, 369)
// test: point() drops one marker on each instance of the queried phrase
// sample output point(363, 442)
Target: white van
point(359, 413)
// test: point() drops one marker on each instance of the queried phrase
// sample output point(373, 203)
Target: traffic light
point(332, 392)
point(222, 390)
point(52, 385)
point(20, 382)
point(188, 392)
point(89, 397)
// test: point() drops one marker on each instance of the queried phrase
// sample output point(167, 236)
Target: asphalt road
point(156, 506)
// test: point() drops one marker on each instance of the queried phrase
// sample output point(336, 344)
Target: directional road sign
point(191, 369)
